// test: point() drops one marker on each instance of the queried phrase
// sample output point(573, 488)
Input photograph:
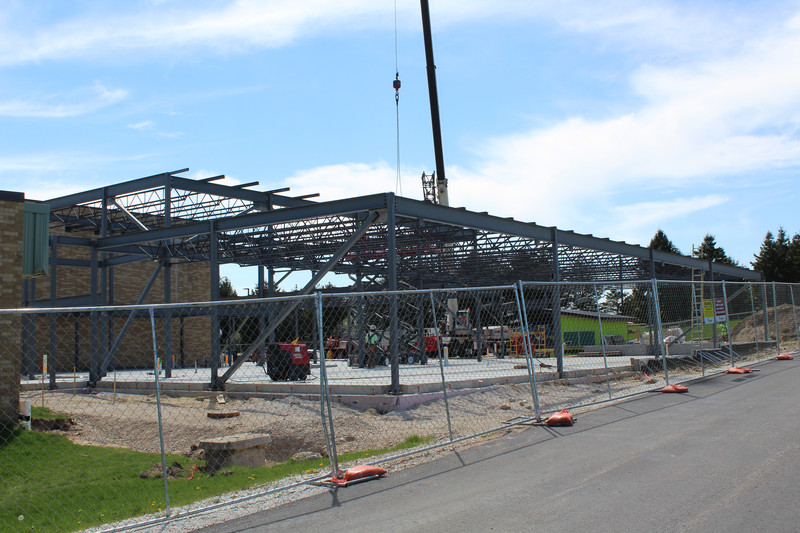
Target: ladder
point(697, 308)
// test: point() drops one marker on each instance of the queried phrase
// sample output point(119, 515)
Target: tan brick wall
point(11, 220)
point(189, 283)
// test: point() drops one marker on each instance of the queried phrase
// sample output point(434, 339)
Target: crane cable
point(396, 86)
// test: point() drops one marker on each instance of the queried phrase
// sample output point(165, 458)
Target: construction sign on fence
point(714, 310)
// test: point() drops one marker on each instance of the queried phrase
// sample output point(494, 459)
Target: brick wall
point(11, 219)
point(74, 348)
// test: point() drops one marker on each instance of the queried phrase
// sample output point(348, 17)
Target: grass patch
point(44, 413)
point(56, 485)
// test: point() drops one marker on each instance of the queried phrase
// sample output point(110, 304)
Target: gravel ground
point(294, 426)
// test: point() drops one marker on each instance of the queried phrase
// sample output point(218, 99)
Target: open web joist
point(435, 245)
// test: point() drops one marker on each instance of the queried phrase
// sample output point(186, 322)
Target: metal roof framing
point(435, 245)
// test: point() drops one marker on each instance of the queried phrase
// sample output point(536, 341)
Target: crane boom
point(441, 180)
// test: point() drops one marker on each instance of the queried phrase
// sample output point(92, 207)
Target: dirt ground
point(294, 423)
point(295, 426)
point(744, 331)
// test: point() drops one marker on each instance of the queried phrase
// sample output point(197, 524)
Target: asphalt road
point(723, 457)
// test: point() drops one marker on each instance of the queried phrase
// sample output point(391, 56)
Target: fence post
point(775, 313)
point(523, 322)
point(657, 311)
point(727, 322)
point(794, 312)
point(765, 297)
point(156, 372)
point(602, 339)
point(755, 324)
point(324, 397)
point(441, 364)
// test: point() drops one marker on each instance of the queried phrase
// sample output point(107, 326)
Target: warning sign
point(714, 310)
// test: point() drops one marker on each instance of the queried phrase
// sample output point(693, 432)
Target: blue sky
point(611, 118)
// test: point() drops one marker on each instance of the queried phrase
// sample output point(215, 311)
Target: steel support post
point(103, 272)
point(271, 294)
point(167, 315)
point(479, 343)
point(51, 356)
point(262, 321)
point(96, 335)
point(76, 341)
point(219, 382)
point(360, 331)
point(423, 355)
point(651, 307)
point(394, 326)
point(213, 260)
point(27, 333)
point(555, 313)
point(167, 318)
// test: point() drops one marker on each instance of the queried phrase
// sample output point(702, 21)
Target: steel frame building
point(380, 241)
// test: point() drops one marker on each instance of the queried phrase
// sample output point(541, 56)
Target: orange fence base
point(561, 418)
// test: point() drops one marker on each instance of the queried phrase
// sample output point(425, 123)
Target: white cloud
point(344, 180)
point(241, 24)
point(634, 221)
point(44, 175)
point(80, 102)
point(699, 121)
point(237, 24)
point(143, 125)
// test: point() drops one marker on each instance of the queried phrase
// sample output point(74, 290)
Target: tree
point(661, 242)
point(226, 289)
point(793, 260)
point(709, 251)
point(779, 259)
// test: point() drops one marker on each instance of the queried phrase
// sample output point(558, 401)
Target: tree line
point(778, 259)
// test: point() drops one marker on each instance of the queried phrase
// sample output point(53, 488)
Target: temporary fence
point(184, 402)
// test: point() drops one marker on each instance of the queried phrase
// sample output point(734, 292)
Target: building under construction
point(163, 238)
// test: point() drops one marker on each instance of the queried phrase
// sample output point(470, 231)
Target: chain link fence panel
point(184, 402)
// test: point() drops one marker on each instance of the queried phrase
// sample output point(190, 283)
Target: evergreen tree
point(793, 260)
point(226, 289)
point(709, 251)
point(661, 242)
point(779, 259)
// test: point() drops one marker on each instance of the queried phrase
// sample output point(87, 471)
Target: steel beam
point(290, 214)
point(218, 383)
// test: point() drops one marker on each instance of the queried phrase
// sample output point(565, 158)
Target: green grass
point(44, 413)
point(707, 334)
point(56, 485)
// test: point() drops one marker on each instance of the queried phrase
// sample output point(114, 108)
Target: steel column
point(555, 313)
point(394, 326)
point(214, 296)
point(219, 382)
point(51, 356)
